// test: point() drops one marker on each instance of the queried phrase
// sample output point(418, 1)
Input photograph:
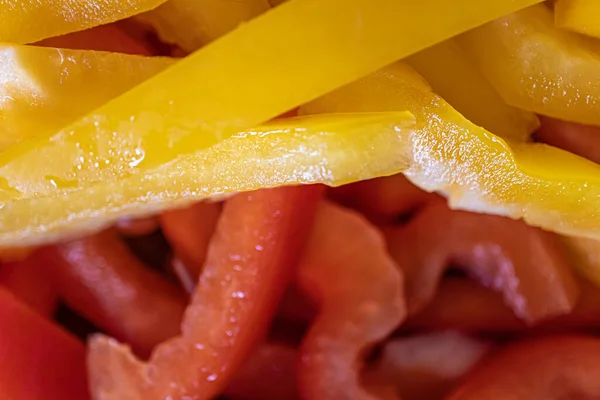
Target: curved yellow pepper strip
point(28, 21)
point(538, 67)
point(458, 81)
point(288, 56)
point(475, 169)
point(582, 16)
point(333, 150)
point(43, 89)
point(193, 23)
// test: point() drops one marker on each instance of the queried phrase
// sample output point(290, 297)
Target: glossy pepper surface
point(538, 67)
point(478, 171)
point(578, 15)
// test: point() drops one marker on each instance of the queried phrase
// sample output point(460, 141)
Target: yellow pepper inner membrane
point(292, 54)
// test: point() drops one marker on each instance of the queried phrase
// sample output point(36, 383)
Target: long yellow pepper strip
point(538, 67)
point(333, 150)
point(582, 16)
point(458, 81)
point(478, 171)
point(28, 21)
point(292, 54)
point(193, 23)
point(43, 89)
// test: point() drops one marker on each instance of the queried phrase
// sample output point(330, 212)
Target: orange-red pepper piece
point(583, 140)
point(100, 278)
point(348, 272)
point(38, 360)
point(525, 263)
point(251, 257)
point(550, 368)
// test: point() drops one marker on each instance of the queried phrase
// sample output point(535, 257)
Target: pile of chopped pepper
point(301, 199)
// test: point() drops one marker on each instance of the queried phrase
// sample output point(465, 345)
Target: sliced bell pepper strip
point(348, 272)
point(27, 279)
point(279, 60)
point(564, 367)
point(324, 149)
point(38, 360)
point(537, 66)
point(578, 16)
point(454, 77)
point(189, 231)
point(100, 278)
point(428, 366)
point(525, 263)
point(43, 89)
point(28, 21)
point(478, 171)
point(191, 24)
point(259, 238)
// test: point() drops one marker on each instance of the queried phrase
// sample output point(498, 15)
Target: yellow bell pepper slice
point(279, 60)
point(28, 21)
point(478, 171)
point(191, 24)
point(582, 16)
point(538, 67)
point(458, 81)
point(586, 257)
point(43, 89)
point(333, 150)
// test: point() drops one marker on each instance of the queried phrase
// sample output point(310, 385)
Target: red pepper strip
point(427, 366)
point(27, 280)
point(525, 263)
point(251, 257)
point(101, 38)
point(100, 278)
point(383, 199)
point(463, 305)
point(37, 359)
point(189, 231)
point(583, 140)
point(348, 272)
point(550, 368)
point(269, 374)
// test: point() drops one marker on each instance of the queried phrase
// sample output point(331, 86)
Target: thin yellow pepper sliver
point(538, 67)
point(478, 171)
point(332, 150)
point(28, 21)
point(288, 56)
point(582, 16)
point(43, 89)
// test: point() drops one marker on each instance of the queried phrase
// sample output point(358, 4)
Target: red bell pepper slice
point(38, 360)
point(259, 237)
point(346, 270)
point(523, 262)
point(100, 278)
point(550, 368)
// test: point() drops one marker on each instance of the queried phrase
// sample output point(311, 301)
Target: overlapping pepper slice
point(43, 89)
point(28, 21)
point(322, 149)
point(190, 24)
point(578, 15)
point(457, 80)
point(477, 170)
point(358, 286)
point(537, 66)
point(277, 61)
point(259, 239)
